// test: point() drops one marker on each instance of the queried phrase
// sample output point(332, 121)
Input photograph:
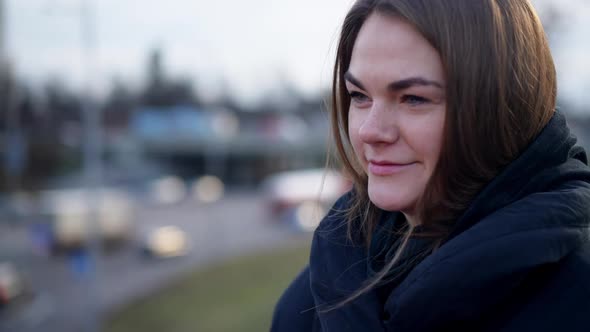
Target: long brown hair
point(500, 93)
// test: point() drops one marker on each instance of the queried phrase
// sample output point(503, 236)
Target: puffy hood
point(533, 214)
point(536, 212)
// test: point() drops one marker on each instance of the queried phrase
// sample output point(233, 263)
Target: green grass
point(238, 295)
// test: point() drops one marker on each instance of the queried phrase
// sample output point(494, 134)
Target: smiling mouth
point(386, 168)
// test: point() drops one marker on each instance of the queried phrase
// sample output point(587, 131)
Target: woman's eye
point(358, 97)
point(414, 100)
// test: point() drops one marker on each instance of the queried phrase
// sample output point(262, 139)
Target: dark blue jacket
point(518, 259)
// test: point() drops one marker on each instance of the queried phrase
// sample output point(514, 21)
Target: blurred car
point(302, 198)
point(69, 214)
point(22, 308)
point(208, 189)
point(12, 284)
point(168, 190)
point(165, 242)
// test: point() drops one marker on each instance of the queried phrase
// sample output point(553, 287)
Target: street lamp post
point(92, 159)
point(14, 149)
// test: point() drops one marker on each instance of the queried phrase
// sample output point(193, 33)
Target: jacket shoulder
point(334, 224)
point(576, 268)
point(295, 310)
point(560, 300)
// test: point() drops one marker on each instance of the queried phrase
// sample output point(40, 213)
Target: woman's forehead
point(389, 48)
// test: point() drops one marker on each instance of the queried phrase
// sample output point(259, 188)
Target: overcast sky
point(251, 45)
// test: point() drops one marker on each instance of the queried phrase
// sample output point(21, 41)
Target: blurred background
point(163, 164)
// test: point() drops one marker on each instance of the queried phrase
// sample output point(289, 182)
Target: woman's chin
point(388, 200)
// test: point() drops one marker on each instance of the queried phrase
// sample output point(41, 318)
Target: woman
point(471, 203)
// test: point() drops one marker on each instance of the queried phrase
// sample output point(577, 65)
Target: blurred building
point(238, 147)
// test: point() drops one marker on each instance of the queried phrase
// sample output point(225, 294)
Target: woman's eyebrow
point(412, 81)
point(349, 77)
point(397, 85)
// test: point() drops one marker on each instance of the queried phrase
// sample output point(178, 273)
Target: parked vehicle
point(70, 212)
point(165, 242)
point(302, 198)
point(12, 284)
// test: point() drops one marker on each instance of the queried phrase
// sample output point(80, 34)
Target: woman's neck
point(412, 219)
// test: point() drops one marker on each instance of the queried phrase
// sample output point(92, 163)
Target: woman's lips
point(386, 168)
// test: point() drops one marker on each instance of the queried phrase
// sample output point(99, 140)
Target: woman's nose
point(379, 126)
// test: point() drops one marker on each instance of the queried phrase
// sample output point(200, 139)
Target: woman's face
point(397, 111)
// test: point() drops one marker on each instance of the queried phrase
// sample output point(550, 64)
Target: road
point(67, 301)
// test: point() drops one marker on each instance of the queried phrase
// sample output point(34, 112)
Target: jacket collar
point(536, 169)
point(534, 213)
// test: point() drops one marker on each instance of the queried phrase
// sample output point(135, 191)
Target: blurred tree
point(155, 69)
point(51, 123)
point(161, 91)
point(119, 105)
point(61, 103)
point(31, 150)
point(7, 85)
